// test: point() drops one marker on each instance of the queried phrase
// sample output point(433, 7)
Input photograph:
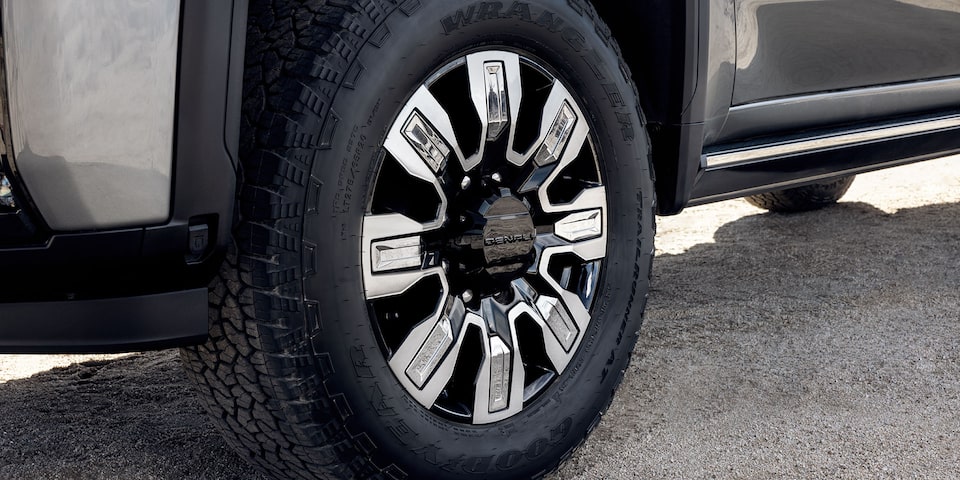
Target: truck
point(414, 238)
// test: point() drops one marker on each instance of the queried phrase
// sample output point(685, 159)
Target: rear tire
point(299, 373)
point(803, 199)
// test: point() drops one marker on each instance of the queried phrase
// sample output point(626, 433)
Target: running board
point(748, 170)
point(823, 142)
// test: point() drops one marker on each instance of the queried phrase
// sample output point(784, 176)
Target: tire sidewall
point(377, 410)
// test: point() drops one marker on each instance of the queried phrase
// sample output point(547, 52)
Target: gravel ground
point(805, 346)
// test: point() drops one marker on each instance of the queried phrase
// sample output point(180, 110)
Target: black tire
point(294, 373)
point(803, 199)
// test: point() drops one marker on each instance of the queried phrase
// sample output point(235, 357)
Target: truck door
point(788, 48)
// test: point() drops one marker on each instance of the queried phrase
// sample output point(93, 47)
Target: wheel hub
point(493, 245)
point(508, 234)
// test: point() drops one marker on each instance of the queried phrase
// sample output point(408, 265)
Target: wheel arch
point(666, 79)
point(659, 40)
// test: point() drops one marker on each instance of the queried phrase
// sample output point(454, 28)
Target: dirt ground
point(818, 345)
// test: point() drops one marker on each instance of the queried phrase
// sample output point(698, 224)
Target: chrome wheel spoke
point(422, 139)
point(392, 255)
point(580, 226)
point(593, 198)
point(549, 245)
point(496, 92)
point(582, 233)
point(389, 284)
point(499, 392)
point(561, 335)
point(588, 250)
point(563, 131)
point(573, 303)
point(426, 358)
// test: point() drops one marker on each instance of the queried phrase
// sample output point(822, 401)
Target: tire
point(803, 199)
point(301, 371)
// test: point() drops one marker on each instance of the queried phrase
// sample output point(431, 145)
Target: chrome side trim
point(92, 97)
point(838, 107)
point(826, 142)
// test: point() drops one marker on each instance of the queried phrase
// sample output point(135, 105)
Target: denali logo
point(523, 237)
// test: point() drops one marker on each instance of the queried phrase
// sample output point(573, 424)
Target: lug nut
point(496, 177)
point(465, 183)
point(467, 296)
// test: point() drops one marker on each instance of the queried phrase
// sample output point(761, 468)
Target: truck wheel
point(445, 240)
point(803, 199)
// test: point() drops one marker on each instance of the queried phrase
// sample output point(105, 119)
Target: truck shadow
point(838, 253)
point(836, 329)
point(756, 318)
point(133, 417)
point(790, 292)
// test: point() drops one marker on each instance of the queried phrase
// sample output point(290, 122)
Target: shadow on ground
point(132, 418)
point(824, 344)
point(820, 344)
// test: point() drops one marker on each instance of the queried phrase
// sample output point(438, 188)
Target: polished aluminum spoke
point(562, 130)
point(581, 232)
point(422, 138)
point(585, 243)
point(392, 255)
point(561, 335)
point(496, 91)
point(499, 393)
point(425, 360)
point(589, 250)
point(580, 225)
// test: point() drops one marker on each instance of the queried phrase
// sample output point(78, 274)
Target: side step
point(733, 171)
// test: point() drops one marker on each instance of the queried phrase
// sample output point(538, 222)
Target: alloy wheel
point(484, 237)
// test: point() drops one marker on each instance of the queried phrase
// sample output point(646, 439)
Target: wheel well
point(653, 37)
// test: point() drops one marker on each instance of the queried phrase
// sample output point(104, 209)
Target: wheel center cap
point(508, 234)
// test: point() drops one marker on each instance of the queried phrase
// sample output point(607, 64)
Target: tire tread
point(802, 199)
point(249, 374)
